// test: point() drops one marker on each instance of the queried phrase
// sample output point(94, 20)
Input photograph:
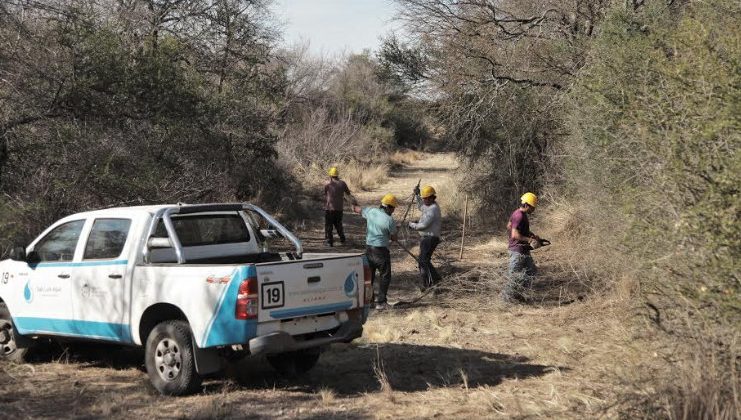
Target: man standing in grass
point(428, 226)
point(334, 201)
point(381, 230)
point(521, 240)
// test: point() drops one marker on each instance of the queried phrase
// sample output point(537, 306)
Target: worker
point(381, 230)
point(521, 240)
point(335, 190)
point(428, 226)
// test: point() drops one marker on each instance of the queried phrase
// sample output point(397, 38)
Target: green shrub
point(654, 156)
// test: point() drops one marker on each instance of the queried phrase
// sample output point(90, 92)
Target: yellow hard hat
point(389, 200)
point(427, 191)
point(333, 171)
point(529, 199)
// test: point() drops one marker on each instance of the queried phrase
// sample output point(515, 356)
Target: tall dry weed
point(327, 396)
point(380, 373)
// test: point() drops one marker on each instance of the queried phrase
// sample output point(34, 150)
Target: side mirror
point(18, 254)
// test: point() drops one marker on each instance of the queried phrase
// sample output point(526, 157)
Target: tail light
point(368, 296)
point(247, 299)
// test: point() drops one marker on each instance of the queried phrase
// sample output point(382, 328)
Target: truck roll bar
point(165, 214)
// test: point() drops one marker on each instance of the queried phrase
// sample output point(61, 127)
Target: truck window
point(107, 239)
point(60, 243)
point(213, 229)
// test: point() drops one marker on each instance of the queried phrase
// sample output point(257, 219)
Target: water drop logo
point(27, 292)
point(351, 284)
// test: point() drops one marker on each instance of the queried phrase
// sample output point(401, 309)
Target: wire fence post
point(463, 235)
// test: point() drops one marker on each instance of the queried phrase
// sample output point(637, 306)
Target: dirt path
point(454, 355)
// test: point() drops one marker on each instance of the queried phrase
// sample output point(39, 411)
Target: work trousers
point(379, 258)
point(427, 272)
point(333, 218)
point(522, 270)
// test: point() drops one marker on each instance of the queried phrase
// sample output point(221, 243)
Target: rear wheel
point(169, 359)
point(10, 348)
point(295, 362)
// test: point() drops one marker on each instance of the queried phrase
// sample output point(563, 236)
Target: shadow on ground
point(354, 370)
point(346, 369)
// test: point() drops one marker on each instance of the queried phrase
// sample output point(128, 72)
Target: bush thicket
point(654, 161)
point(108, 103)
point(630, 113)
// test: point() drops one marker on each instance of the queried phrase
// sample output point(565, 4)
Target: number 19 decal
point(272, 295)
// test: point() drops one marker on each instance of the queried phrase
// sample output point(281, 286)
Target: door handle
point(114, 276)
point(63, 276)
point(315, 279)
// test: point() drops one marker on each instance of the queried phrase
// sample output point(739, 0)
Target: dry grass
point(453, 201)
point(327, 396)
point(401, 158)
point(365, 177)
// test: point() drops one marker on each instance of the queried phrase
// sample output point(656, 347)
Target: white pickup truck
point(193, 284)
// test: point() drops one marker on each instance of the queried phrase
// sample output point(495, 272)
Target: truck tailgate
point(309, 286)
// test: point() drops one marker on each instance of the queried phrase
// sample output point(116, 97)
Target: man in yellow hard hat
point(381, 230)
point(428, 226)
point(521, 240)
point(335, 190)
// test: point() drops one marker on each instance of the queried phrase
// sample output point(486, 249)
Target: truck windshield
point(212, 229)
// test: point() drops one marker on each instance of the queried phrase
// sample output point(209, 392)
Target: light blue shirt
point(380, 226)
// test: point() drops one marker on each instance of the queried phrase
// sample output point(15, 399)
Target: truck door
point(98, 290)
point(45, 302)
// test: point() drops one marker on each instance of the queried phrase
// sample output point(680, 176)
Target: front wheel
point(10, 348)
point(169, 359)
point(295, 362)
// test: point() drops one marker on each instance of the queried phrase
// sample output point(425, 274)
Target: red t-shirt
point(334, 190)
point(518, 220)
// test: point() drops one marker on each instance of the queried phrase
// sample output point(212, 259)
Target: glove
point(416, 190)
point(412, 225)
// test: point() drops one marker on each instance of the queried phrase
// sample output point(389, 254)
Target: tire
point(11, 348)
point(169, 359)
point(294, 363)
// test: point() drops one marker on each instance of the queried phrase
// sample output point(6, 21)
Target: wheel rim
point(7, 341)
point(167, 359)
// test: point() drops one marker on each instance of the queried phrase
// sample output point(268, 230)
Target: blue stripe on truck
point(310, 310)
point(75, 328)
point(224, 328)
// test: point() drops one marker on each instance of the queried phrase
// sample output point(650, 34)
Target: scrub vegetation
point(624, 116)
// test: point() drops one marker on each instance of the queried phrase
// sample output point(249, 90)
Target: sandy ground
point(456, 354)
